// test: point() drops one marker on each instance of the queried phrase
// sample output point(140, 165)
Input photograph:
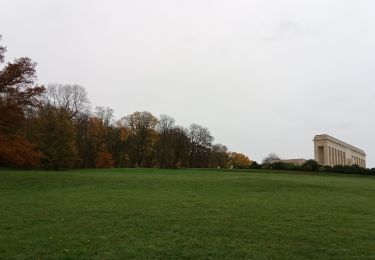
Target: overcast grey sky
point(263, 75)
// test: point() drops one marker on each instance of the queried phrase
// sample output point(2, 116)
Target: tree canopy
point(53, 128)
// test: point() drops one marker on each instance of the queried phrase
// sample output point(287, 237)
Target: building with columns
point(331, 151)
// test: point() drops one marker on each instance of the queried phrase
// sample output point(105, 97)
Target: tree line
point(313, 166)
point(53, 128)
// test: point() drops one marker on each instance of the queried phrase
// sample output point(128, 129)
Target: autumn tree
point(104, 158)
point(101, 123)
point(72, 99)
point(94, 136)
point(55, 135)
point(98, 136)
point(19, 98)
point(239, 160)
point(109, 140)
point(142, 136)
point(17, 151)
point(55, 128)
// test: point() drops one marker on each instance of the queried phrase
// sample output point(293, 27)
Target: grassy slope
point(139, 213)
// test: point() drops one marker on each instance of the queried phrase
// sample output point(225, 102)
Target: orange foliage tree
point(18, 100)
point(104, 158)
point(239, 160)
point(17, 151)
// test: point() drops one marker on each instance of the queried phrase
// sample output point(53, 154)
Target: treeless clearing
point(149, 213)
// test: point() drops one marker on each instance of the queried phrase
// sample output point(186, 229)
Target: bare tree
point(105, 114)
point(272, 157)
point(72, 98)
point(165, 124)
point(2, 51)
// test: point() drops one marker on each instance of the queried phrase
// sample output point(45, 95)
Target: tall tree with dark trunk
point(180, 146)
point(219, 156)
point(164, 151)
point(142, 136)
point(172, 146)
point(200, 145)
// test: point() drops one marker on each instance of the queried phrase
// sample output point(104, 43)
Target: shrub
point(310, 165)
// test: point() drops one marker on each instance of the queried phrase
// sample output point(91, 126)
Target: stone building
point(297, 162)
point(331, 151)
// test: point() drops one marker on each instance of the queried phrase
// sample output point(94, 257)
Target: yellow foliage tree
point(239, 160)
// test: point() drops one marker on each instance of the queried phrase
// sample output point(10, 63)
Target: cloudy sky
point(263, 75)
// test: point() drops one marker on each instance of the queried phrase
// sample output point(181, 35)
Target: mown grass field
point(206, 214)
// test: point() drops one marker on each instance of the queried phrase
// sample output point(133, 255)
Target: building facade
point(330, 151)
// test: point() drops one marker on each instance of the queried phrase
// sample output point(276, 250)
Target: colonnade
point(331, 151)
point(336, 157)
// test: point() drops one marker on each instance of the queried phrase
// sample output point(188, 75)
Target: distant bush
point(255, 165)
point(352, 169)
point(310, 165)
point(280, 166)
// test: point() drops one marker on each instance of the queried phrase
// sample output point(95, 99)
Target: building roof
point(323, 137)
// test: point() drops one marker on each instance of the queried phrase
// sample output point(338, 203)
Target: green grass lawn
point(149, 213)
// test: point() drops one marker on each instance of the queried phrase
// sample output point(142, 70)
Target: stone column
point(316, 151)
point(342, 158)
point(330, 156)
point(326, 154)
point(335, 156)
